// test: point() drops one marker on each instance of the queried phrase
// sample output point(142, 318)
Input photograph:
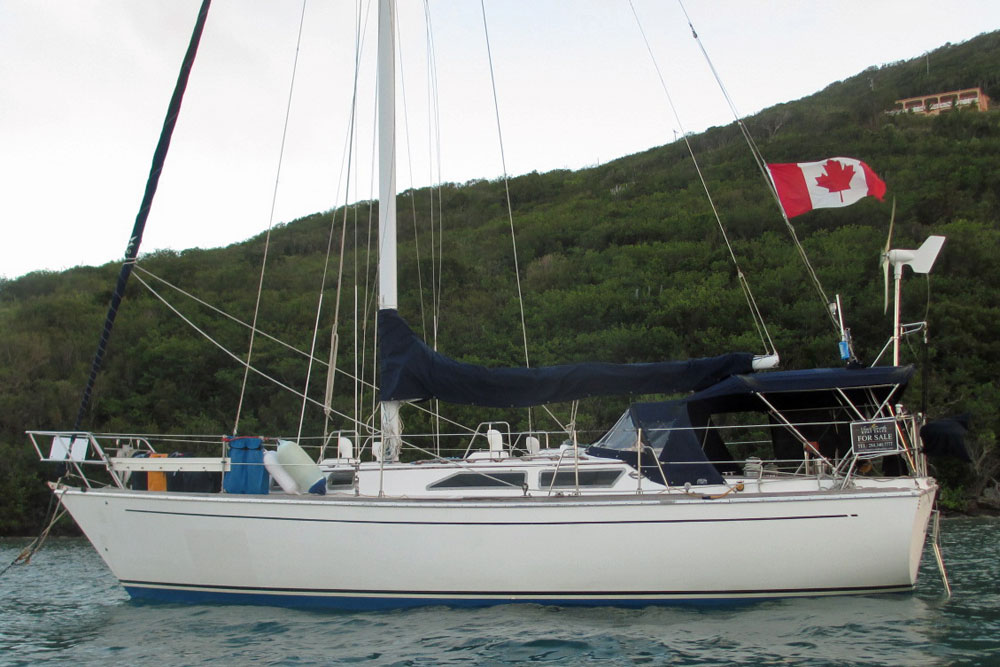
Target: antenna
point(920, 261)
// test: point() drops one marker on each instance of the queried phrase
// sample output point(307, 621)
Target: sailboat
point(654, 511)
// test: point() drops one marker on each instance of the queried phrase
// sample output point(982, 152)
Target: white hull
point(367, 553)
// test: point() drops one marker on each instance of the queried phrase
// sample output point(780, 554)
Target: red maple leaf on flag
point(836, 177)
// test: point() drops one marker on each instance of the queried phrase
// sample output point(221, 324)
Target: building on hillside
point(932, 105)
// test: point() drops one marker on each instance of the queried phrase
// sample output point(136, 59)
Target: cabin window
point(567, 478)
point(622, 436)
point(340, 478)
point(473, 480)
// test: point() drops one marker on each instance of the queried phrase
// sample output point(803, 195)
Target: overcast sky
point(84, 86)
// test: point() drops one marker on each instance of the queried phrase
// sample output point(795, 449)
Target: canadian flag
point(831, 183)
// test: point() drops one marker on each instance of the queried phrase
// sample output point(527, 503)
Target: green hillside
point(622, 262)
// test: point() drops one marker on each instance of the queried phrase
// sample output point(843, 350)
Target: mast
point(387, 294)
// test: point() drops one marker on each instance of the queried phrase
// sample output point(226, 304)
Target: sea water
point(65, 607)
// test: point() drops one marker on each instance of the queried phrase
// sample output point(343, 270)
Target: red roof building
point(936, 103)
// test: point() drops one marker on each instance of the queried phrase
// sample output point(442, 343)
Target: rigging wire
point(270, 222)
point(434, 145)
point(506, 185)
point(762, 167)
point(315, 335)
point(412, 190)
point(434, 151)
point(755, 313)
point(370, 298)
point(233, 355)
point(223, 313)
point(369, 385)
point(345, 177)
point(359, 359)
point(925, 363)
point(506, 188)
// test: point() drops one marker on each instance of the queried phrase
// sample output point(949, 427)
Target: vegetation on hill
point(621, 262)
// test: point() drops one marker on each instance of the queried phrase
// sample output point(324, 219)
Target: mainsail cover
point(411, 371)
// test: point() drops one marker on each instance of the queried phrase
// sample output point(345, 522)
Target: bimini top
point(811, 379)
point(679, 442)
point(803, 388)
point(410, 371)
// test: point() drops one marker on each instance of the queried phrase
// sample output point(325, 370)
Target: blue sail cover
point(411, 371)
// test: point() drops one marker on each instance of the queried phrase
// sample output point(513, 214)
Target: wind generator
point(920, 261)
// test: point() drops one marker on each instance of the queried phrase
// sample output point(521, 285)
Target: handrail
point(115, 459)
point(170, 464)
point(75, 458)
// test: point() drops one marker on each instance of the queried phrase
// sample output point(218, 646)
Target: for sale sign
point(874, 437)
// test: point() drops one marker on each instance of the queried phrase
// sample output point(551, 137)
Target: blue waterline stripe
point(207, 588)
point(373, 600)
point(494, 523)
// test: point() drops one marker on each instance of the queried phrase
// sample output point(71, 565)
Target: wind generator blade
point(892, 221)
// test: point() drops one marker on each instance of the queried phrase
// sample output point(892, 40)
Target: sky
point(84, 86)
